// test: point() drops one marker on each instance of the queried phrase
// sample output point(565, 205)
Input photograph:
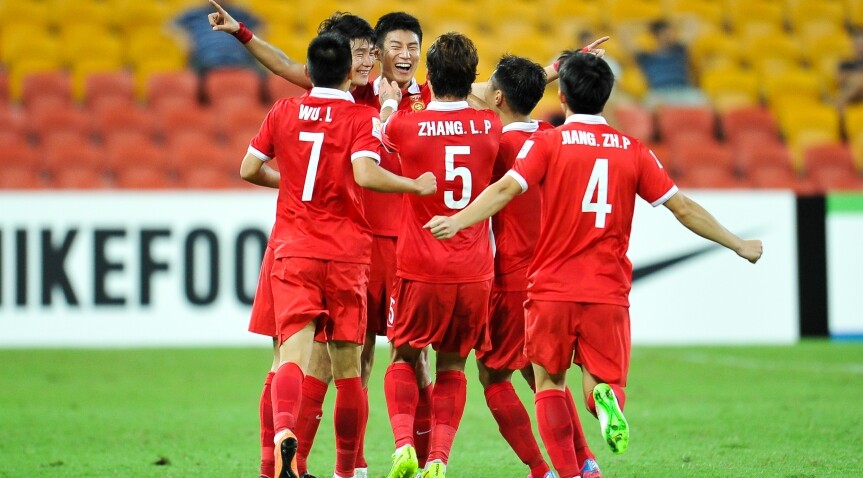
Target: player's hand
point(442, 227)
point(221, 20)
point(426, 184)
point(389, 90)
point(594, 47)
point(750, 250)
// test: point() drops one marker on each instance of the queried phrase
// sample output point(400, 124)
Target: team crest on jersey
point(417, 103)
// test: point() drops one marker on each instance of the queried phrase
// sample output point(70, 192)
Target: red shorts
point(506, 329)
point(263, 319)
point(594, 336)
point(332, 293)
point(452, 318)
point(381, 278)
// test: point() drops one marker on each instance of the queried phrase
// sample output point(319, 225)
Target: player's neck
point(507, 117)
point(449, 99)
point(405, 85)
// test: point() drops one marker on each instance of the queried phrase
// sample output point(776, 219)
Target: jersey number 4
point(597, 186)
point(453, 172)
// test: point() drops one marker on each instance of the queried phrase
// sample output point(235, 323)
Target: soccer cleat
point(286, 455)
point(405, 463)
point(434, 469)
point(590, 469)
point(612, 424)
point(361, 473)
point(548, 474)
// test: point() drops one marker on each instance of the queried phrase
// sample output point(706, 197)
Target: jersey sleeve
point(367, 140)
point(531, 163)
point(390, 132)
point(262, 144)
point(654, 184)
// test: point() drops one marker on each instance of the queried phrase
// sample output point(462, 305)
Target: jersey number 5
point(597, 186)
point(453, 172)
point(317, 140)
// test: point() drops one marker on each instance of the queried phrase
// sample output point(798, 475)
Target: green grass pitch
point(791, 412)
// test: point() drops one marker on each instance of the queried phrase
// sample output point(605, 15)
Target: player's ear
point(562, 100)
point(498, 98)
point(306, 71)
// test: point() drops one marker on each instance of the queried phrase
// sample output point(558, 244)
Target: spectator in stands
point(850, 75)
point(209, 49)
point(667, 69)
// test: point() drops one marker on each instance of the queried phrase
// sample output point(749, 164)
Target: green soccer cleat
point(435, 469)
point(612, 423)
point(405, 463)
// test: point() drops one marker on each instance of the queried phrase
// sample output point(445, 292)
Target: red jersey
point(590, 174)
point(383, 210)
point(459, 145)
point(515, 227)
point(319, 213)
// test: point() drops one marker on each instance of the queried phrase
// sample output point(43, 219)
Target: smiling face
point(363, 55)
point(400, 56)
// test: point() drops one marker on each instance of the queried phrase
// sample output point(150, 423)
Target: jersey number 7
point(317, 140)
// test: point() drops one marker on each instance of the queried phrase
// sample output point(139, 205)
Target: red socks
point(364, 420)
point(423, 424)
point(402, 394)
point(448, 400)
point(309, 418)
point(348, 414)
point(266, 415)
point(287, 388)
point(514, 424)
point(582, 451)
point(556, 430)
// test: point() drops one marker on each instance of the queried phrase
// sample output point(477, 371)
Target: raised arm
point(368, 174)
point(489, 202)
point(270, 56)
point(701, 222)
point(477, 92)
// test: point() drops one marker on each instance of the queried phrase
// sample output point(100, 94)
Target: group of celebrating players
point(365, 243)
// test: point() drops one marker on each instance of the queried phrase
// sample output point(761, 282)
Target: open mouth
point(403, 67)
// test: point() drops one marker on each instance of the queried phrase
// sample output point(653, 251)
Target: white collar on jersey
point(413, 87)
point(319, 92)
point(586, 119)
point(528, 127)
point(447, 105)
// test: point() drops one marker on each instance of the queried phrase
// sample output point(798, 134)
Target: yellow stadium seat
point(25, 11)
point(26, 67)
point(714, 50)
point(764, 48)
point(532, 46)
point(566, 12)
point(133, 14)
point(64, 13)
point(857, 151)
point(147, 68)
point(293, 45)
point(855, 12)
point(804, 123)
point(153, 43)
point(28, 41)
point(835, 44)
point(633, 82)
point(90, 44)
point(705, 12)
point(628, 10)
point(309, 14)
point(853, 120)
point(497, 11)
point(803, 12)
point(730, 88)
point(800, 83)
point(763, 11)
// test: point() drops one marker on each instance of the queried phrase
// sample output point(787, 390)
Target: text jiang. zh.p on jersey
point(459, 145)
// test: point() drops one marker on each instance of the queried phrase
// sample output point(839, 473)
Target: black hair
point(451, 61)
point(658, 26)
point(350, 26)
point(521, 81)
point(329, 60)
point(586, 81)
point(397, 21)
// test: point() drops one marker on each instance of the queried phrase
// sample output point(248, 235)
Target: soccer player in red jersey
point(442, 289)
point(580, 277)
point(321, 239)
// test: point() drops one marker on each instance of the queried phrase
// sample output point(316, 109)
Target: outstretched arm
point(368, 174)
point(271, 57)
point(489, 202)
point(701, 222)
point(477, 92)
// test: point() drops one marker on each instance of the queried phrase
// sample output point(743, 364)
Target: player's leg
point(423, 420)
point(448, 402)
point(402, 395)
point(349, 411)
point(265, 414)
point(512, 418)
point(317, 381)
point(586, 460)
point(287, 387)
point(603, 351)
point(367, 359)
